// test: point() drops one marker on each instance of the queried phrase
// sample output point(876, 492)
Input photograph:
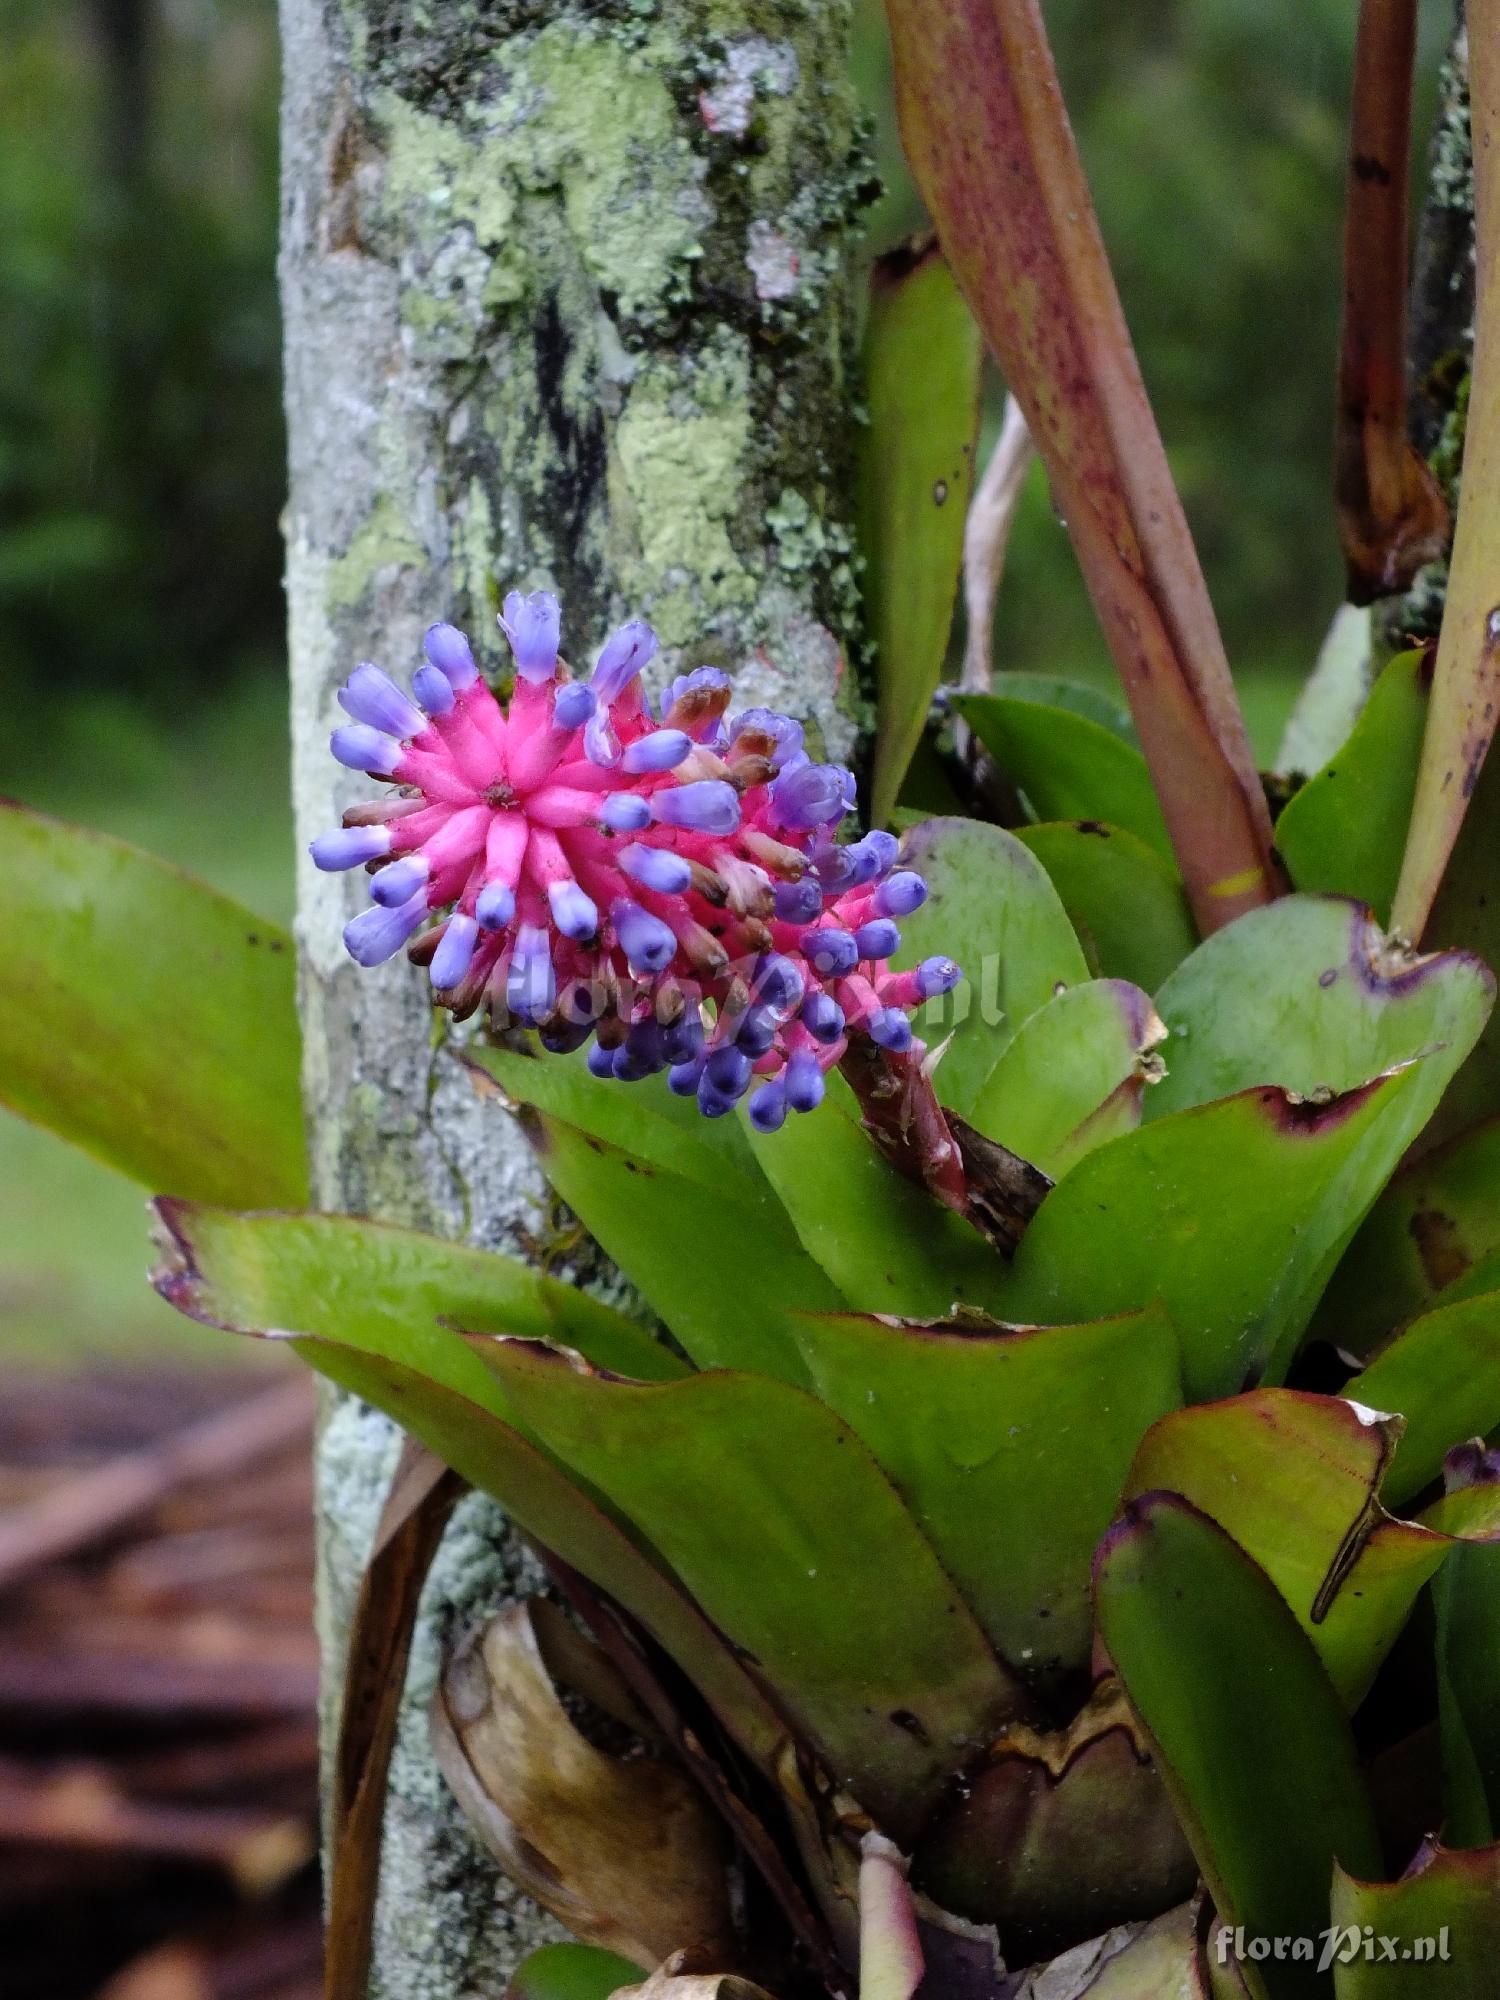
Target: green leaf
point(1438, 1220)
point(1445, 1899)
point(1343, 831)
point(788, 1535)
point(147, 1018)
point(1008, 1454)
point(1294, 1480)
point(1231, 1214)
point(1067, 765)
point(1308, 993)
point(551, 1507)
point(1079, 697)
point(1073, 1077)
point(1466, 1600)
point(1442, 1374)
point(881, 1238)
point(1249, 1733)
point(914, 476)
point(991, 907)
point(571, 1972)
point(393, 1291)
point(723, 1268)
point(1127, 905)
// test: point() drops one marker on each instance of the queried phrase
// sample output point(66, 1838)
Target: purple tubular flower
point(656, 868)
point(899, 895)
point(432, 689)
point(682, 1078)
point(682, 1043)
point(778, 983)
point(373, 697)
point(727, 1070)
point(768, 1106)
point(707, 805)
point(831, 953)
point(712, 1103)
point(360, 748)
point(937, 975)
point(785, 734)
point(804, 1082)
point(448, 650)
point(647, 943)
point(376, 934)
point(640, 1055)
point(532, 625)
point(799, 902)
point(496, 906)
point(885, 847)
point(455, 952)
point(625, 812)
point(625, 653)
point(350, 847)
point(393, 885)
point(823, 1018)
point(890, 1028)
point(835, 868)
point(531, 983)
point(574, 705)
point(863, 859)
point(756, 1032)
point(600, 744)
point(812, 795)
point(575, 914)
point(601, 1061)
point(877, 939)
point(662, 750)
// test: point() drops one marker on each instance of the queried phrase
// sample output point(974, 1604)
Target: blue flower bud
point(573, 706)
point(393, 885)
point(662, 750)
point(890, 1028)
point(432, 689)
point(358, 747)
point(830, 953)
point(707, 805)
point(496, 905)
point(532, 625)
point(575, 914)
point(804, 1082)
point(877, 939)
point(372, 697)
point(900, 894)
point(448, 650)
point(455, 952)
point(823, 1018)
point(625, 812)
point(799, 902)
point(377, 934)
point(350, 847)
point(656, 868)
point(768, 1106)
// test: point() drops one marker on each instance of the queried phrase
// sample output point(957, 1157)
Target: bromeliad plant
point(1043, 1540)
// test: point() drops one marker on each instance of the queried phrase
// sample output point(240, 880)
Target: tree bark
point(567, 304)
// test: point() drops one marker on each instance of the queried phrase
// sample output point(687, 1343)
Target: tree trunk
point(566, 305)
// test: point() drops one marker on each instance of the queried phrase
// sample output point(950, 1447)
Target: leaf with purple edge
point(1231, 1213)
point(1250, 1736)
point(1008, 1454)
point(1311, 995)
point(915, 472)
point(1448, 1901)
point(147, 1018)
point(788, 1535)
point(1441, 1374)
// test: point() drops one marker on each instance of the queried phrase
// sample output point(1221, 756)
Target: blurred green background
point(141, 452)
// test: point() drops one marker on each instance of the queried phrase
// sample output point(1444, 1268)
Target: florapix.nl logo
point(1340, 1944)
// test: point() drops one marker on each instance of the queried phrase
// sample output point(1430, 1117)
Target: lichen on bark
point(567, 304)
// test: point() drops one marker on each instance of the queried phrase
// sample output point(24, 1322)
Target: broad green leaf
point(1294, 1480)
point(571, 1972)
point(1231, 1214)
point(914, 476)
point(1438, 1220)
point(1443, 1917)
point(643, 1119)
point(1127, 905)
point(1442, 1374)
point(147, 1018)
point(723, 1269)
point(1466, 1600)
point(1073, 1076)
point(881, 1238)
point(992, 908)
point(790, 1538)
point(1083, 698)
point(392, 1291)
point(1009, 1452)
point(1342, 833)
point(1249, 1733)
point(1308, 993)
point(554, 1510)
point(1068, 766)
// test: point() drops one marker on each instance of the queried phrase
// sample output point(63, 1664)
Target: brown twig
point(1391, 512)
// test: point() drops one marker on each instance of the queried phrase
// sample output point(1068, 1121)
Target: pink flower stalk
point(670, 888)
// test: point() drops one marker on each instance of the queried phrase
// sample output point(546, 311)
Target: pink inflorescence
point(672, 889)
